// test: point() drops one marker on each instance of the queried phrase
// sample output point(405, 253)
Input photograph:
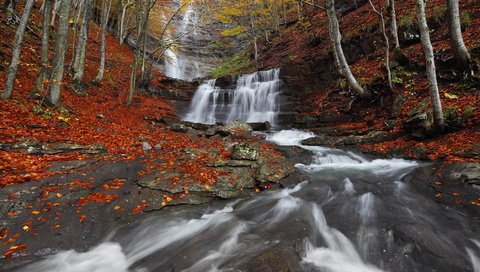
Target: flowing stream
point(354, 215)
point(254, 99)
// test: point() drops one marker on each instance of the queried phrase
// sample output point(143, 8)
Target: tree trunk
point(122, 22)
point(39, 83)
point(56, 78)
point(56, 7)
point(17, 49)
point(457, 45)
point(105, 15)
point(393, 24)
point(337, 46)
point(387, 45)
point(438, 122)
point(78, 67)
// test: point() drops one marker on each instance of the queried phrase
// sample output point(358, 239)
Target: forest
point(240, 135)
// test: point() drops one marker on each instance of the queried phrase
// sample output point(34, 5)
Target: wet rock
point(278, 258)
point(398, 102)
point(146, 146)
point(320, 140)
point(177, 127)
point(273, 169)
point(158, 146)
point(237, 128)
point(100, 116)
point(468, 173)
point(63, 166)
point(418, 126)
point(244, 152)
point(260, 126)
point(162, 181)
point(472, 151)
point(66, 148)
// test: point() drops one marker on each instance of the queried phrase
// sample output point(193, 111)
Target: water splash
point(254, 99)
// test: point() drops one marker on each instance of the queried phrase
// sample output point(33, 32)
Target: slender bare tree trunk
point(438, 121)
point(337, 45)
point(387, 44)
point(56, 78)
point(105, 15)
point(42, 76)
point(17, 49)
point(393, 24)
point(133, 74)
point(122, 21)
point(56, 7)
point(78, 67)
point(457, 45)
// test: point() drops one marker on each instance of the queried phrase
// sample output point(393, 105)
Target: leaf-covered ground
point(304, 41)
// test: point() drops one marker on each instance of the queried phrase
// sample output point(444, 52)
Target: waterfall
point(177, 64)
point(254, 99)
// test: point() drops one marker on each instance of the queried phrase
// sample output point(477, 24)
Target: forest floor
point(71, 171)
point(306, 43)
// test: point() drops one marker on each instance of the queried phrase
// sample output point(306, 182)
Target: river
point(354, 215)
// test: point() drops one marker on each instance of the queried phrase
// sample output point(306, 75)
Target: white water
point(176, 64)
point(254, 99)
point(473, 254)
point(355, 215)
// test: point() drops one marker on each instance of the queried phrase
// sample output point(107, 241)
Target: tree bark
point(337, 46)
point(17, 50)
point(56, 78)
point(457, 45)
point(78, 67)
point(42, 76)
point(438, 121)
point(122, 22)
point(387, 45)
point(105, 15)
point(393, 24)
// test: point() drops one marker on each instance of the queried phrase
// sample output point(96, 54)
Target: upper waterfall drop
point(177, 63)
point(254, 99)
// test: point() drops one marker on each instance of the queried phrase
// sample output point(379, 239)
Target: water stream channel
point(355, 214)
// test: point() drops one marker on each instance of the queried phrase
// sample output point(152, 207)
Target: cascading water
point(354, 215)
point(177, 65)
point(254, 99)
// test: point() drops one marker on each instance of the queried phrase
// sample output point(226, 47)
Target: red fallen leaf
point(456, 194)
point(137, 209)
point(459, 201)
point(12, 196)
point(4, 232)
point(82, 218)
point(13, 249)
point(56, 227)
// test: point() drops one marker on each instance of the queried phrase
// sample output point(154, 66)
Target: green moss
point(406, 21)
point(240, 63)
point(465, 18)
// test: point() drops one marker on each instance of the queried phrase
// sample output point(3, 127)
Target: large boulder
point(273, 169)
point(237, 128)
point(244, 152)
point(260, 126)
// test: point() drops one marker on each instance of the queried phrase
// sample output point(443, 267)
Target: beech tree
point(78, 64)
point(44, 67)
point(56, 78)
point(387, 44)
point(438, 121)
point(142, 11)
point(104, 22)
point(336, 38)
point(17, 50)
point(393, 24)
point(460, 51)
